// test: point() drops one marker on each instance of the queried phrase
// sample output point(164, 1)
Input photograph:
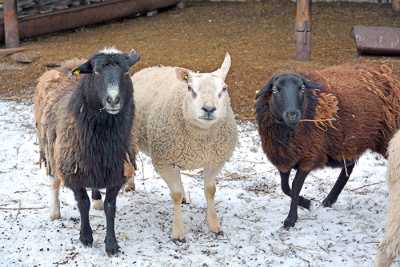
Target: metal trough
point(383, 41)
point(75, 17)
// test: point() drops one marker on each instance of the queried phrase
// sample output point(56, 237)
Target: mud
point(259, 36)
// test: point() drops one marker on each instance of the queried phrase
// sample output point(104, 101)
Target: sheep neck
point(104, 141)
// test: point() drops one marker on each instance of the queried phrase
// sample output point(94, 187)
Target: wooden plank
point(74, 17)
point(11, 31)
point(9, 51)
point(384, 41)
point(303, 30)
point(396, 5)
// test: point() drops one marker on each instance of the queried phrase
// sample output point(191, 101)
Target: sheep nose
point(113, 100)
point(209, 109)
point(292, 115)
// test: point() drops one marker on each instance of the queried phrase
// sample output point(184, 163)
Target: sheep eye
point(223, 90)
point(190, 89)
point(275, 90)
point(302, 89)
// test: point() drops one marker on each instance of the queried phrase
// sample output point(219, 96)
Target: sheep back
point(165, 135)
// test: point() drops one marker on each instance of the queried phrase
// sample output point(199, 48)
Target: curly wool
point(165, 135)
point(389, 248)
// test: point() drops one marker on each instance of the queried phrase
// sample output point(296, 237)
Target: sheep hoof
point(305, 203)
point(55, 216)
point(97, 204)
point(327, 202)
point(129, 188)
point(179, 241)
point(184, 201)
point(86, 240)
point(220, 233)
point(112, 247)
point(289, 222)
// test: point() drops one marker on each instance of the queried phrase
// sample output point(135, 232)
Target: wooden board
point(383, 41)
point(84, 15)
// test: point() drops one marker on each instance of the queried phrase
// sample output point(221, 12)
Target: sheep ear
point(84, 68)
point(266, 89)
point(226, 65)
point(224, 69)
point(182, 74)
point(311, 85)
point(133, 57)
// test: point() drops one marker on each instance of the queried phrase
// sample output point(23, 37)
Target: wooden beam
point(9, 51)
point(396, 5)
point(303, 30)
point(11, 31)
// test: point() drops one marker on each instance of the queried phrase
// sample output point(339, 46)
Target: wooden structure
point(11, 32)
point(303, 30)
point(72, 17)
point(382, 41)
point(396, 5)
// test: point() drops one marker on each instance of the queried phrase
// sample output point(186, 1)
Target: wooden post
point(11, 32)
point(303, 30)
point(396, 5)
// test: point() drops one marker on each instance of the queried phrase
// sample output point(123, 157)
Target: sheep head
point(207, 100)
point(288, 93)
point(109, 84)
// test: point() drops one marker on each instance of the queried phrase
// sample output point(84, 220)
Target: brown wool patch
point(326, 110)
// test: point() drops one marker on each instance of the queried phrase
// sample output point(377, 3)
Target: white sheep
point(184, 121)
point(389, 248)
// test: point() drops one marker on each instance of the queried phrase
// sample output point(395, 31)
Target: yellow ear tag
point(76, 72)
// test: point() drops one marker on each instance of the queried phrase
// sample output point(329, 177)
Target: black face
point(111, 83)
point(288, 93)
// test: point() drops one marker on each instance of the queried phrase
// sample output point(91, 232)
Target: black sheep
point(84, 129)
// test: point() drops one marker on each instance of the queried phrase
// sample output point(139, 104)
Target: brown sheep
point(326, 118)
point(85, 132)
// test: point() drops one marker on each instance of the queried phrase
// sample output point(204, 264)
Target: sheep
point(389, 248)
point(326, 118)
point(84, 129)
point(184, 121)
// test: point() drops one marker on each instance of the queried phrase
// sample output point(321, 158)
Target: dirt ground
point(259, 37)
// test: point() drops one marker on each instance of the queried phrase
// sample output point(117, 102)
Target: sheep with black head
point(85, 132)
point(326, 118)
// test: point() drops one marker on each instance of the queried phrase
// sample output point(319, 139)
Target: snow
point(249, 201)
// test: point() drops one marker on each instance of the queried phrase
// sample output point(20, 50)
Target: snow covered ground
point(249, 202)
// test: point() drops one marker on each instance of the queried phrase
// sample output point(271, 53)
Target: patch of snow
point(249, 201)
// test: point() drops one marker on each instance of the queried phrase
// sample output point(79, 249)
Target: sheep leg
point(209, 191)
point(97, 204)
point(338, 187)
point(55, 213)
point(109, 209)
point(303, 202)
point(297, 184)
point(130, 184)
point(172, 177)
point(389, 248)
point(83, 201)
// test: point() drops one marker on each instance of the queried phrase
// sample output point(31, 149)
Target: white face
point(207, 99)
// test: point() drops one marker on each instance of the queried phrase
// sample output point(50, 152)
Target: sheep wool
point(165, 134)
